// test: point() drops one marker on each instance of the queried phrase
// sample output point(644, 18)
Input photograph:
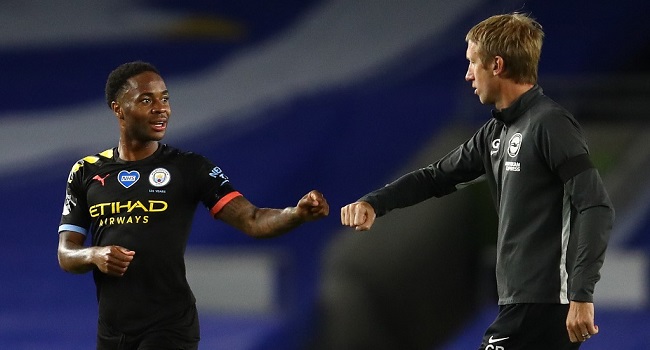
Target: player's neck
point(510, 93)
point(136, 150)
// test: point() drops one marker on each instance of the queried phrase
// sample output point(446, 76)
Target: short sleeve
point(215, 188)
point(75, 217)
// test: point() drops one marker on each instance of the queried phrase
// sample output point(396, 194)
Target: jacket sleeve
point(594, 220)
point(462, 165)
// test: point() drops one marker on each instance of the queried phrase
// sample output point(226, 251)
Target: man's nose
point(160, 106)
point(469, 76)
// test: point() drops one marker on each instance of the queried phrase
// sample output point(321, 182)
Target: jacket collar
point(517, 108)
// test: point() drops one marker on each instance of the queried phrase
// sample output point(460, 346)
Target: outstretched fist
point(313, 206)
point(359, 215)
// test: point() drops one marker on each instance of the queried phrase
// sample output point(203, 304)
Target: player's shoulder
point(94, 160)
point(98, 158)
point(546, 109)
point(551, 115)
point(551, 121)
point(181, 155)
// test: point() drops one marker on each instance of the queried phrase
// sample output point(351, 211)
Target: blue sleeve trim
point(74, 228)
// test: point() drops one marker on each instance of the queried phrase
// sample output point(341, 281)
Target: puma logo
point(100, 179)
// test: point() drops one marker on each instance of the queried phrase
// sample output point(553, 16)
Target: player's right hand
point(113, 260)
point(359, 215)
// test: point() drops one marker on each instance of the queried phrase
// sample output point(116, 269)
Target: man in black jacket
point(554, 212)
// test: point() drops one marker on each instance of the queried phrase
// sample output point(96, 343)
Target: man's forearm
point(409, 189)
point(75, 258)
point(259, 222)
point(269, 222)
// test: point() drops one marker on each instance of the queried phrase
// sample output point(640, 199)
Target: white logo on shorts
point(493, 340)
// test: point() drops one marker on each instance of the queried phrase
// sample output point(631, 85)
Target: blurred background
point(293, 95)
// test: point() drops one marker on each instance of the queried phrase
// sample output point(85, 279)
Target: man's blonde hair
point(517, 38)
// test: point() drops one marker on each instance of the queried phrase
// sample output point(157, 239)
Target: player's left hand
point(580, 321)
point(312, 206)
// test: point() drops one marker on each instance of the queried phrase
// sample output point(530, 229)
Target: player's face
point(481, 76)
point(143, 110)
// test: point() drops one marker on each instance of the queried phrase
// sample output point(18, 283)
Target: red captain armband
point(223, 201)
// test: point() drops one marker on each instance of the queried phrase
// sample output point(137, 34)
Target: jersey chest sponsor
point(126, 212)
point(105, 197)
point(127, 207)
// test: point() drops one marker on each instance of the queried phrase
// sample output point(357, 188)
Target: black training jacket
point(554, 212)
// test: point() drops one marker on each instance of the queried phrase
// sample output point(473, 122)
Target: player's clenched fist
point(313, 206)
point(359, 215)
point(113, 260)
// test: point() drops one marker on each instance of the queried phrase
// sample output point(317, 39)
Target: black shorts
point(529, 327)
point(182, 333)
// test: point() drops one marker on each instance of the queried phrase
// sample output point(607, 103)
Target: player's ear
point(498, 65)
point(117, 110)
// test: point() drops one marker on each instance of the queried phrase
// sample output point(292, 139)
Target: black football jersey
point(146, 206)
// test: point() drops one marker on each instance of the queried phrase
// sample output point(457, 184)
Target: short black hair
point(118, 77)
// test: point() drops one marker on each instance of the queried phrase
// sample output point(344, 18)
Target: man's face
point(481, 76)
point(143, 109)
